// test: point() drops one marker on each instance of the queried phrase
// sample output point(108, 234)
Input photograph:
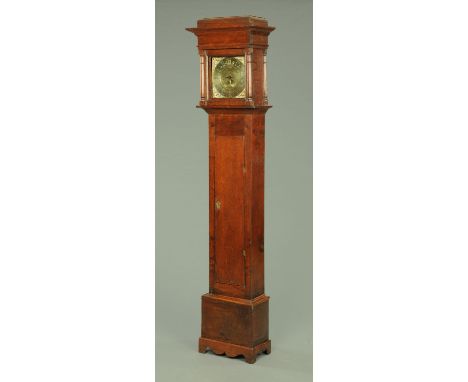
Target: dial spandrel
point(228, 77)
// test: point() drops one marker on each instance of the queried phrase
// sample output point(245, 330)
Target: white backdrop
point(77, 191)
point(390, 190)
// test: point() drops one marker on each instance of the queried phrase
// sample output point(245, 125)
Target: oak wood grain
point(235, 311)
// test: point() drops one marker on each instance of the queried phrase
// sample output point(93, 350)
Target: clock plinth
point(231, 350)
point(233, 92)
point(235, 326)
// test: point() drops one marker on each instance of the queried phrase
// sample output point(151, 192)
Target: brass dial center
point(229, 77)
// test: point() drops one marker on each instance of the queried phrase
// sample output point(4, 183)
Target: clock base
point(235, 326)
point(233, 350)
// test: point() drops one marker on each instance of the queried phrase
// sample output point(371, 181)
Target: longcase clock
point(233, 91)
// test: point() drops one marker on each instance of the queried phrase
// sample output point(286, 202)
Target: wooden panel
point(229, 210)
point(230, 124)
point(212, 124)
point(226, 321)
point(258, 184)
point(232, 21)
point(260, 323)
point(258, 76)
point(238, 321)
point(214, 39)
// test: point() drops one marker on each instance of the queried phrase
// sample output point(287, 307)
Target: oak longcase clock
point(233, 92)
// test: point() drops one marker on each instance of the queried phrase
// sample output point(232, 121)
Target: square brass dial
point(228, 77)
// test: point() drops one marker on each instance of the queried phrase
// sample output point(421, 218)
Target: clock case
point(235, 311)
